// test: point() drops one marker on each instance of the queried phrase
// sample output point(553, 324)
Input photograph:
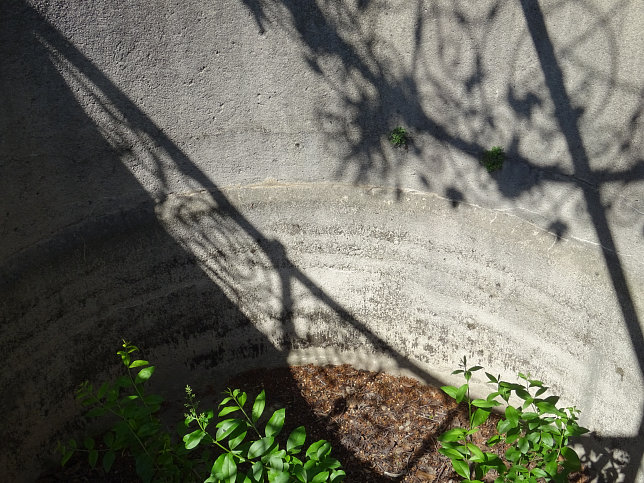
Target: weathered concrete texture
point(136, 143)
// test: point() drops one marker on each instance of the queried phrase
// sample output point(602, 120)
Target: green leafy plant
point(136, 429)
point(399, 137)
point(261, 457)
point(493, 159)
point(537, 433)
point(160, 456)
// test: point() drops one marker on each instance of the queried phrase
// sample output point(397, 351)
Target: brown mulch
point(382, 428)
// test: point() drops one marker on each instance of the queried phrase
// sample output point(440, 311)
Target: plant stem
point(120, 415)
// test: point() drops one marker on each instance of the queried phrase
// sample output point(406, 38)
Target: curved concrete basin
point(215, 184)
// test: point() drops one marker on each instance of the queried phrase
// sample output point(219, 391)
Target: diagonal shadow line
point(275, 252)
point(568, 121)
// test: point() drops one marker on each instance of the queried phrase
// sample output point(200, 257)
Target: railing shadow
point(568, 120)
point(157, 267)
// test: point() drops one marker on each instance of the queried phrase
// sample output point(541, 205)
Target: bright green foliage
point(537, 432)
point(259, 457)
point(493, 159)
point(399, 137)
point(240, 451)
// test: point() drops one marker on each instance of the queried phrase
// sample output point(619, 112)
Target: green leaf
point(512, 416)
point(547, 440)
point(523, 394)
point(540, 391)
point(551, 468)
point(539, 473)
point(148, 429)
point(533, 437)
point(296, 440)
point(503, 426)
point(552, 399)
point(451, 453)
point(571, 462)
point(125, 357)
point(450, 391)
point(193, 439)
point(138, 363)
point(491, 378)
point(66, 455)
point(318, 450)
point(274, 425)
point(512, 435)
point(512, 454)
point(276, 463)
point(144, 374)
point(89, 443)
point(479, 417)
point(227, 410)
point(477, 454)
point(461, 467)
point(546, 407)
point(476, 368)
point(455, 434)
point(103, 390)
point(493, 440)
point(485, 403)
point(108, 439)
point(258, 471)
point(260, 447)
point(258, 406)
point(224, 468)
point(574, 429)
point(337, 476)
point(108, 461)
point(226, 427)
point(144, 467)
point(493, 461)
point(237, 436)
point(529, 416)
point(460, 394)
point(523, 445)
point(320, 477)
point(279, 476)
point(93, 457)
point(534, 424)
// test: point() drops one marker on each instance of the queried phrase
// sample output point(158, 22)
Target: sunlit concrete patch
point(431, 281)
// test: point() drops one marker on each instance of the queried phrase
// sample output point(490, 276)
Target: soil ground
point(382, 428)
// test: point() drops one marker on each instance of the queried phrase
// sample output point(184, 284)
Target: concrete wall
point(213, 181)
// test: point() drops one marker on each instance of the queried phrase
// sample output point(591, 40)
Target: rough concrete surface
point(213, 181)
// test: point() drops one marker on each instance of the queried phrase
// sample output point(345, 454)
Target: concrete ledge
point(273, 274)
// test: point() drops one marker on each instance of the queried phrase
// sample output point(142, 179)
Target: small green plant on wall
point(239, 449)
point(493, 159)
point(399, 137)
point(536, 432)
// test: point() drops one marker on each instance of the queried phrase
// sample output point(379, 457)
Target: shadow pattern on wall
point(105, 195)
point(568, 158)
point(102, 248)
